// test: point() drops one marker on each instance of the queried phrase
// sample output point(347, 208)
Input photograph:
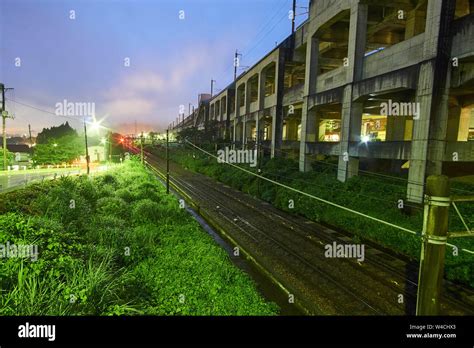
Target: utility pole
point(110, 147)
point(4, 126)
point(29, 132)
point(88, 160)
point(212, 86)
point(141, 147)
point(167, 164)
point(293, 18)
point(435, 231)
point(236, 63)
point(189, 108)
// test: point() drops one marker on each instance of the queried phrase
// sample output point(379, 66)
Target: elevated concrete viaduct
point(378, 85)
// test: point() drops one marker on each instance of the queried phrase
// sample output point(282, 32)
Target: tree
point(55, 133)
point(59, 150)
point(191, 134)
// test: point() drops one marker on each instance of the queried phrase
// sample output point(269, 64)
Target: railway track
point(401, 282)
point(281, 242)
point(286, 244)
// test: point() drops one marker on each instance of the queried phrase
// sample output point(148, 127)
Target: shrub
point(146, 211)
point(113, 206)
point(132, 251)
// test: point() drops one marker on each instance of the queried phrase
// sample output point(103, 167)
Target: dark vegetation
point(115, 244)
point(376, 196)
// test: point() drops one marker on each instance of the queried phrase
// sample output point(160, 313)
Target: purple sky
point(171, 59)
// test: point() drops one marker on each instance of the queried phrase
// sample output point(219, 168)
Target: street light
point(95, 125)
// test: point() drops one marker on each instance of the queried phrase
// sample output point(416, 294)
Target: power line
point(42, 110)
point(77, 119)
point(258, 42)
point(261, 30)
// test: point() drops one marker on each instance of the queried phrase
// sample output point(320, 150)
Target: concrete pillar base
point(347, 168)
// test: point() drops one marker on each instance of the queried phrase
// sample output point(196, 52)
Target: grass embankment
point(375, 196)
point(115, 244)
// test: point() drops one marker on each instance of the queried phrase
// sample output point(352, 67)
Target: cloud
point(153, 96)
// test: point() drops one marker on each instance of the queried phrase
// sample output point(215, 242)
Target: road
point(291, 251)
point(15, 179)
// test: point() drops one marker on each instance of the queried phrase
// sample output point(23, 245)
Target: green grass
point(377, 197)
point(123, 248)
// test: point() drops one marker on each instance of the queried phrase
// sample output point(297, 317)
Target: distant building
point(21, 154)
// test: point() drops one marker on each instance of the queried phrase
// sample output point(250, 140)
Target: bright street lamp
point(95, 125)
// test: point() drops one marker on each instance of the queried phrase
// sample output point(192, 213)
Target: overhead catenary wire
point(313, 184)
point(367, 173)
point(247, 54)
point(324, 200)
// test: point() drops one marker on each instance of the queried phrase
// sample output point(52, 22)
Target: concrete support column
point(228, 106)
point(430, 130)
point(245, 123)
point(247, 97)
point(257, 129)
point(237, 101)
point(307, 118)
point(261, 107)
point(277, 122)
point(234, 132)
point(261, 90)
point(351, 116)
point(357, 41)
point(351, 119)
point(244, 131)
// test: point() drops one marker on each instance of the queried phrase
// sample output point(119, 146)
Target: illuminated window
point(329, 130)
point(471, 127)
point(374, 128)
point(266, 133)
point(253, 132)
point(408, 130)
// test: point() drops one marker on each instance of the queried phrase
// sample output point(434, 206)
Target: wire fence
point(322, 200)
